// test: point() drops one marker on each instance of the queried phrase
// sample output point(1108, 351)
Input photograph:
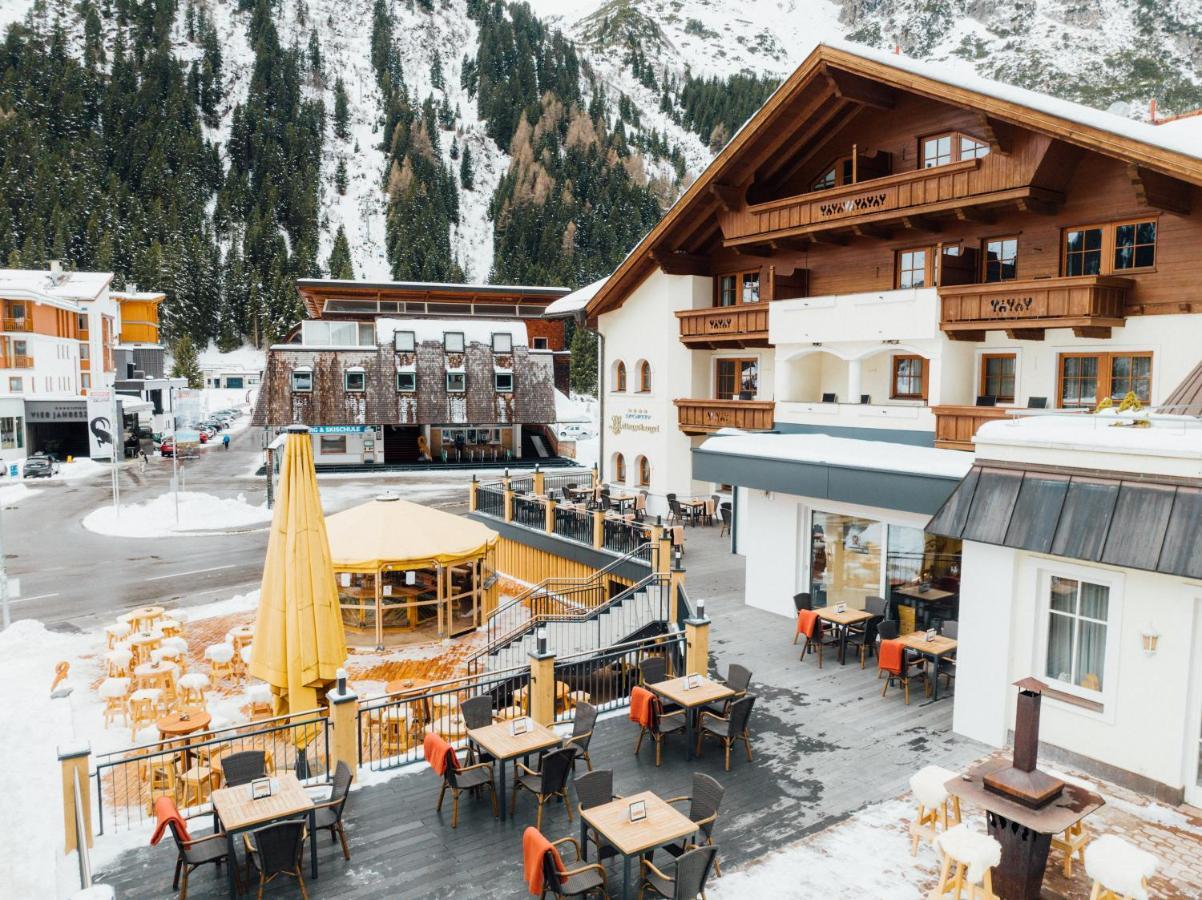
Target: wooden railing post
point(664, 556)
point(344, 719)
point(550, 516)
point(74, 760)
point(508, 503)
point(594, 477)
point(472, 500)
point(542, 688)
point(697, 644)
point(598, 529)
point(675, 583)
point(540, 480)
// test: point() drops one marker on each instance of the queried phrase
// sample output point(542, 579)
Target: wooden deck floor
point(825, 745)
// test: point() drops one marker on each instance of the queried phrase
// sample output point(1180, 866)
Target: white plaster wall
point(770, 540)
point(55, 367)
point(911, 314)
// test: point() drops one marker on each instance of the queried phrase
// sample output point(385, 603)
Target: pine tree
point(584, 361)
point(341, 111)
point(437, 81)
point(467, 170)
point(186, 362)
point(339, 264)
point(340, 178)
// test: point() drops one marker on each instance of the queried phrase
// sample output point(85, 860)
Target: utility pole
point(5, 620)
point(174, 451)
point(118, 434)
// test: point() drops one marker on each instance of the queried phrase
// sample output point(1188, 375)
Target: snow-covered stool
point(262, 701)
point(170, 627)
point(1118, 869)
point(968, 860)
point(192, 688)
point(928, 787)
point(114, 691)
point(115, 634)
point(119, 661)
point(220, 657)
point(176, 643)
point(246, 653)
point(144, 708)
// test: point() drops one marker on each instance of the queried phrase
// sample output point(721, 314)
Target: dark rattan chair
point(738, 679)
point(477, 713)
point(726, 512)
point(703, 810)
point(578, 882)
point(194, 853)
point(662, 724)
point(551, 780)
point(654, 669)
point(328, 815)
point(465, 779)
point(803, 601)
point(582, 732)
point(688, 878)
point(863, 637)
point(595, 789)
point(244, 767)
point(276, 850)
point(729, 728)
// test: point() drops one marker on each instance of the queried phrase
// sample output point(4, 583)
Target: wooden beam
point(966, 335)
point(1026, 334)
point(871, 230)
point(858, 89)
point(1092, 331)
point(777, 137)
point(1159, 191)
point(999, 134)
point(830, 121)
point(1038, 205)
point(833, 238)
point(757, 250)
point(979, 214)
point(729, 196)
point(788, 243)
point(680, 263)
point(921, 223)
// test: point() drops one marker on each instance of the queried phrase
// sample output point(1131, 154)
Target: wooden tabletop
point(238, 811)
point(930, 595)
point(150, 669)
point(175, 725)
point(145, 612)
point(678, 692)
point(847, 617)
point(499, 740)
point(695, 501)
point(916, 640)
point(663, 824)
point(1073, 804)
point(243, 631)
point(407, 686)
point(144, 637)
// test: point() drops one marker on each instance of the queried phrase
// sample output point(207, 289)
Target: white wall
point(904, 315)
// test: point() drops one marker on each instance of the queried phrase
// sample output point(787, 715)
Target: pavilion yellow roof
point(392, 532)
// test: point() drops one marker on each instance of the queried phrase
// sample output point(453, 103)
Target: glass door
point(845, 559)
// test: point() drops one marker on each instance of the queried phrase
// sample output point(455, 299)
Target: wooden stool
point(1072, 841)
point(114, 691)
point(968, 861)
point(192, 689)
point(158, 773)
point(144, 708)
point(120, 661)
point(196, 785)
point(927, 785)
point(170, 628)
point(1118, 869)
point(220, 657)
point(115, 634)
point(262, 701)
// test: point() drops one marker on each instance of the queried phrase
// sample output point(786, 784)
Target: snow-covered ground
point(198, 512)
point(77, 469)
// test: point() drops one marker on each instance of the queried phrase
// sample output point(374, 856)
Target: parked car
point(215, 424)
point(40, 466)
point(167, 448)
point(206, 431)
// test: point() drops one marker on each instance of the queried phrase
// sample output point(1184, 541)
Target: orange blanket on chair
point(809, 624)
point(640, 706)
point(890, 657)
point(166, 812)
point(534, 848)
point(439, 753)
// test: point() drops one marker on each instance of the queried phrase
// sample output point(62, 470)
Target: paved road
point(73, 579)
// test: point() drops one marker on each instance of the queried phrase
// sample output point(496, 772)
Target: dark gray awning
point(1140, 524)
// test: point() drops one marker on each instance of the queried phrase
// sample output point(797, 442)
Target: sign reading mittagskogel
point(633, 420)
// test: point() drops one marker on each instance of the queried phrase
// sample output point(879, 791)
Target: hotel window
point(354, 380)
point(644, 377)
point(913, 267)
point(406, 382)
point(404, 341)
point(909, 380)
point(838, 174)
point(738, 287)
point(737, 379)
point(456, 382)
point(1078, 618)
point(644, 472)
point(751, 287)
point(14, 384)
point(82, 322)
point(12, 432)
point(950, 147)
point(85, 352)
point(540, 343)
point(85, 381)
point(332, 443)
point(452, 342)
point(502, 343)
point(1085, 378)
point(1106, 249)
point(997, 376)
point(302, 380)
point(1083, 251)
point(620, 376)
point(1001, 259)
point(1135, 245)
point(504, 382)
point(619, 468)
point(971, 148)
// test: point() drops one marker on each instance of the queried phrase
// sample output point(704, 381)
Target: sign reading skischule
point(340, 429)
point(633, 420)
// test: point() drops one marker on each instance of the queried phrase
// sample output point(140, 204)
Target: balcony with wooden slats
point(956, 425)
point(1090, 305)
point(745, 325)
point(705, 416)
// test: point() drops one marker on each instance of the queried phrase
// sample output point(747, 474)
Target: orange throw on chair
point(807, 623)
point(534, 848)
point(166, 812)
point(890, 657)
point(640, 706)
point(438, 753)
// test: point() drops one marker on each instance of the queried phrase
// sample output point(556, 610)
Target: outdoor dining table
point(143, 618)
point(704, 691)
point(842, 622)
point(697, 505)
point(238, 813)
point(180, 725)
point(622, 499)
point(929, 596)
point(663, 824)
point(141, 643)
point(936, 648)
point(499, 741)
point(157, 675)
point(1024, 833)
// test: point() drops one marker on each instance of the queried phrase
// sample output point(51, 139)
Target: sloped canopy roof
point(1186, 398)
point(806, 104)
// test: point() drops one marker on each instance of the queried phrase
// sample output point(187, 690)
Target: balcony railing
point(704, 416)
point(20, 325)
point(14, 361)
point(956, 425)
point(1090, 304)
point(725, 326)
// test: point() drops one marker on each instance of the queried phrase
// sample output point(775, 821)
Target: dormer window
point(404, 341)
point(504, 382)
point(949, 147)
point(302, 380)
point(456, 382)
point(355, 380)
point(452, 341)
point(502, 343)
point(406, 382)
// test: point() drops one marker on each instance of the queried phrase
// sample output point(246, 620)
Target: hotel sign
point(340, 429)
point(633, 420)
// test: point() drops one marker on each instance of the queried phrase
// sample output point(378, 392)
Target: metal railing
point(574, 524)
point(684, 609)
point(605, 676)
point(620, 536)
point(577, 478)
point(392, 727)
point(490, 500)
point(127, 782)
point(522, 485)
point(530, 512)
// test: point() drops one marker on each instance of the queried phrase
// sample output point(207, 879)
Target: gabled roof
point(61, 285)
point(1170, 150)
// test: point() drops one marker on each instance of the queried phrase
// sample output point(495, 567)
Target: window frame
point(985, 242)
point(346, 381)
point(1105, 376)
point(982, 376)
point(644, 377)
point(619, 468)
point(496, 379)
point(1109, 232)
point(334, 440)
point(738, 373)
point(458, 375)
point(540, 343)
point(956, 148)
point(929, 253)
point(507, 336)
point(893, 383)
point(308, 373)
point(396, 342)
point(406, 390)
point(738, 277)
point(447, 335)
point(619, 377)
point(643, 473)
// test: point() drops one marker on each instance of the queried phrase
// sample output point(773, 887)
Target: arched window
point(644, 471)
point(619, 468)
point(644, 377)
point(620, 376)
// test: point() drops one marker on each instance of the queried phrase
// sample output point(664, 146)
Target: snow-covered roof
point(474, 331)
point(1187, 128)
point(568, 410)
point(61, 285)
point(242, 359)
point(142, 296)
point(843, 452)
point(1103, 432)
point(575, 301)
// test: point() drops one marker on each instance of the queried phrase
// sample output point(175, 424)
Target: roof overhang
point(315, 291)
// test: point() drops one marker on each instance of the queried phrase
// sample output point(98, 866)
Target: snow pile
point(572, 409)
point(575, 301)
point(843, 452)
point(243, 359)
point(14, 494)
point(1105, 431)
point(198, 512)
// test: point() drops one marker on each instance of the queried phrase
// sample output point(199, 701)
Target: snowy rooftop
point(243, 359)
point(474, 331)
point(1105, 432)
point(143, 296)
point(60, 285)
point(575, 301)
point(533, 289)
point(843, 452)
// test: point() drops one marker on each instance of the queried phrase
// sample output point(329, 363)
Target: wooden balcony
point(956, 425)
point(704, 416)
point(18, 325)
point(1090, 305)
point(905, 197)
point(744, 325)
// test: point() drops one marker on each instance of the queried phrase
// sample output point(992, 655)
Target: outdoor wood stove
point(1022, 781)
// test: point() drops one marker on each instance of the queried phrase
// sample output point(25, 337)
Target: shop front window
point(845, 559)
point(922, 577)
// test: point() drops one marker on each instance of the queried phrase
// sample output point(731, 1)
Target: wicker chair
point(738, 679)
point(863, 637)
point(328, 816)
point(595, 789)
point(688, 878)
point(582, 732)
point(550, 780)
point(729, 728)
point(477, 713)
point(465, 779)
point(662, 725)
point(703, 810)
point(578, 882)
point(194, 853)
point(727, 514)
point(243, 767)
point(653, 669)
point(276, 850)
